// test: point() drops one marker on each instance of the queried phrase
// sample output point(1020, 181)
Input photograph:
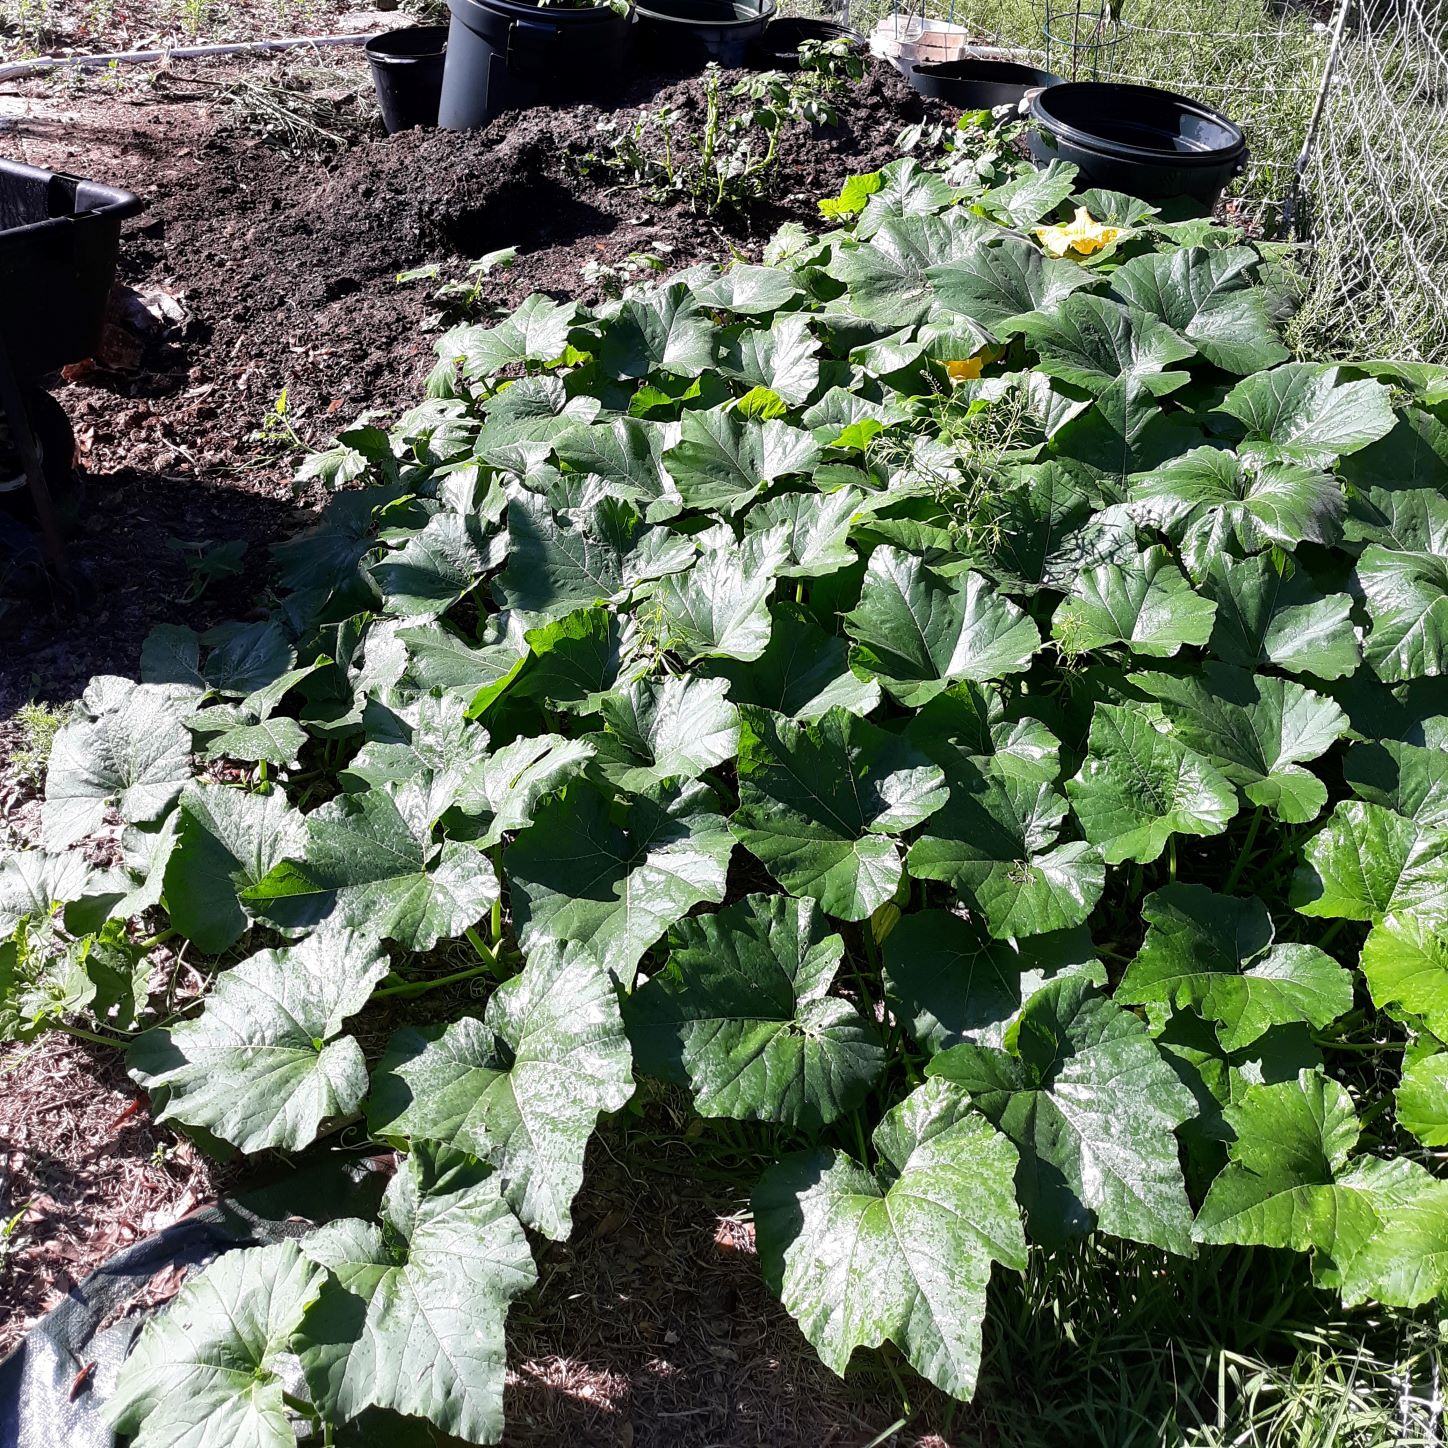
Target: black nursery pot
point(687, 34)
point(505, 54)
point(778, 48)
point(1137, 139)
point(979, 85)
point(407, 68)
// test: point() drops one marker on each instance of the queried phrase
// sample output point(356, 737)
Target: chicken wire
point(1371, 203)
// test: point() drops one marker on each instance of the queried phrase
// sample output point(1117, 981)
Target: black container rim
point(411, 43)
point(1104, 91)
point(560, 16)
point(977, 68)
point(763, 12)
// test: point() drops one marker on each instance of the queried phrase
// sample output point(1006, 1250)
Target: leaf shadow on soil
point(133, 579)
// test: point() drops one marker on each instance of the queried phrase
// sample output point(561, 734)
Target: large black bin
point(59, 236)
point(503, 55)
point(1134, 138)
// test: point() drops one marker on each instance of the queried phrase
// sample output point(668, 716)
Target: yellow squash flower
point(968, 369)
point(1082, 235)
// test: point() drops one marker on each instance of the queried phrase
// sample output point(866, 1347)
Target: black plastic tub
point(407, 68)
point(503, 55)
point(59, 236)
point(979, 85)
point(1137, 139)
point(778, 47)
point(687, 34)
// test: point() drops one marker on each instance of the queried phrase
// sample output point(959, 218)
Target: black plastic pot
point(778, 47)
point(1137, 139)
point(505, 54)
point(687, 34)
point(407, 70)
point(979, 85)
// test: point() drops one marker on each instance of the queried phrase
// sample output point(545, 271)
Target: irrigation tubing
point(44, 63)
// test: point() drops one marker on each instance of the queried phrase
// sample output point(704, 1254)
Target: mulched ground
point(652, 1327)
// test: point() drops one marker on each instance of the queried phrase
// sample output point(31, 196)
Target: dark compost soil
point(288, 269)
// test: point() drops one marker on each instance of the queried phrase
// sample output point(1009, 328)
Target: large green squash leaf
point(522, 1087)
point(561, 562)
point(1407, 598)
point(227, 842)
point(1139, 785)
point(917, 633)
point(720, 607)
point(1302, 412)
point(900, 1254)
point(743, 1016)
point(819, 527)
point(368, 866)
point(1144, 604)
point(1367, 863)
point(950, 982)
point(1288, 1183)
point(723, 459)
point(1408, 779)
point(1422, 1098)
point(674, 727)
point(1093, 1108)
point(1270, 614)
point(206, 1371)
point(1405, 960)
point(1000, 283)
point(1209, 298)
point(996, 842)
point(265, 1062)
point(820, 803)
point(1257, 729)
point(411, 1316)
point(577, 875)
point(664, 330)
point(1208, 500)
point(537, 331)
point(1215, 953)
point(971, 719)
point(436, 567)
point(1091, 341)
point(128, 749)
point(803, 671)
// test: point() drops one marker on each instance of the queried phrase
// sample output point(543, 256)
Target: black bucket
point(407, 74)
point(505, 54)
point(1139, 140)
point(979, 85)
point(687, 34)
point(778, 48)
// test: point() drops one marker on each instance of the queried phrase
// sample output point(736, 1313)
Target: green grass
point(1108, 1343)
point(39, 724)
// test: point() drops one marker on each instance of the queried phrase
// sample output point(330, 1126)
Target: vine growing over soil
point(969, 714)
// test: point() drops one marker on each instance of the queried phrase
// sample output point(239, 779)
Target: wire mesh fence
point(1373, 208)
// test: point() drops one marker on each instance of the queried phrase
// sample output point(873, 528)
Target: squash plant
point(972, 715)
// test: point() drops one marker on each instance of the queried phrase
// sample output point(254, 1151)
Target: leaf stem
point(1242, 855)
point(91, 1036)
point(421, 987)
point(495, 922)
point(301, 1407)
point(485, 954)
